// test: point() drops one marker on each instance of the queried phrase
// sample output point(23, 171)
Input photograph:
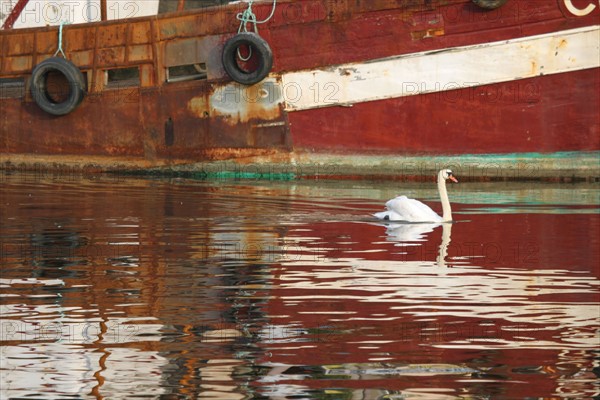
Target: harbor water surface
point(116, 287)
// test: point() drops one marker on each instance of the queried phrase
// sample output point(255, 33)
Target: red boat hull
point(364, 78)
point(544, 114)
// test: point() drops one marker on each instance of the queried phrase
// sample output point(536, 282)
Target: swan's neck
point(447, 211)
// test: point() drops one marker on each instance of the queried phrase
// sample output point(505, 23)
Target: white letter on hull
point(578, 11)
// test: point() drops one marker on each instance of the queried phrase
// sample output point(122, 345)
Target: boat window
point(122, 78)
point(186, 72)
point(12, 88)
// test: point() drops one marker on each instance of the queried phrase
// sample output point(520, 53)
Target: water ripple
point(121, 288)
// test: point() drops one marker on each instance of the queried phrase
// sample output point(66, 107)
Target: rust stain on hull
point(235, 103)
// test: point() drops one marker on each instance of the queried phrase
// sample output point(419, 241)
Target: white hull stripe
point(442, 70)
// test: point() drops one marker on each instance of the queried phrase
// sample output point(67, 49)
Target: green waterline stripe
point(250, 175)
point(512, 165)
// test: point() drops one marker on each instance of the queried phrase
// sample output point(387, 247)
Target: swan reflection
point(443, 253)
point(406, 234)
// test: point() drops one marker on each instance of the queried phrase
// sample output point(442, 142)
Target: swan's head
point(447, 174)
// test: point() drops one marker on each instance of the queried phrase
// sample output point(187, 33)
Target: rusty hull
point(178, 122)
point(183, 121)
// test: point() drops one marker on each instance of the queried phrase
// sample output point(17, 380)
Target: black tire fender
point(72, 74)
point(261, 50)
point(490, 4)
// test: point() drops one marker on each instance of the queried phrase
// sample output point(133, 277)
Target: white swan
point(404, 209)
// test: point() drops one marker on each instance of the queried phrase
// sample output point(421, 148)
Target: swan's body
point(402, 208)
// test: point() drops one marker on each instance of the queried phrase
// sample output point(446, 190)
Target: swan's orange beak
point(453, 179)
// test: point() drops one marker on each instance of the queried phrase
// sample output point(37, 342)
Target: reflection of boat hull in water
point(355, 79)
point(176, 288)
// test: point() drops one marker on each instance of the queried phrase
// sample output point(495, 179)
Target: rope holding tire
point(261, 52)
point(39, 86)
point(490, 4)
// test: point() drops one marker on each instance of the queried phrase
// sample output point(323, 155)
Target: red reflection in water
point(190, 288)
point(500, 302)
